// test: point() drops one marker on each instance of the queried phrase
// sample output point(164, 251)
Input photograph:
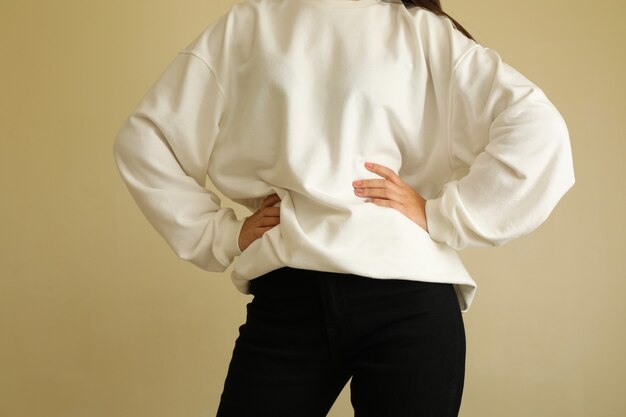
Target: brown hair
point(435, 7)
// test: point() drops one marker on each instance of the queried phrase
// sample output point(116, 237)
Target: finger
point(265, 229)
point(374, 182)
point(267, 221)
point(384, 172)
point(388, 193)
point(379, 183)
point(270, 200)
point(272, 197)
point(388, 203)
point(270, 212)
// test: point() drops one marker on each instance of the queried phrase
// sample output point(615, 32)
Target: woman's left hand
point(392, 191)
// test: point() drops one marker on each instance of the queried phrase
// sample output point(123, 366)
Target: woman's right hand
point(259, 222)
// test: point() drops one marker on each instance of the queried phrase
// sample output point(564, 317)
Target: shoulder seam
point(205, 62)
point(460, 58)
point(463, 55)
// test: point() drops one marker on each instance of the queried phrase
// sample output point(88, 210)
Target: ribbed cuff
point(230, 230)
point(439, 227)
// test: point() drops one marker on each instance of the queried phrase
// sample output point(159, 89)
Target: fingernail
point(357, 183)
point(369, 164)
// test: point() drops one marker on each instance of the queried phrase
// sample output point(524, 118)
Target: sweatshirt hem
point(464, 286)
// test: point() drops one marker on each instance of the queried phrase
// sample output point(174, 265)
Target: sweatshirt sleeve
point(162, 152)
point(515, 146)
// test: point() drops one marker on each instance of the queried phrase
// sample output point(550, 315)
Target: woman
point(284, 103)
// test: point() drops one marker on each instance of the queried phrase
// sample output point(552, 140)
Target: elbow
point(558, 165)
point(563, 156)
point(129, 147)
point(118, 143)
point(120, 146)
point(119, 155)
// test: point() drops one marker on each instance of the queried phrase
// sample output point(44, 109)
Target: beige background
point(98, 318)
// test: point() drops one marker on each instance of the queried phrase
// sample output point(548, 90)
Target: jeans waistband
point(295, 280)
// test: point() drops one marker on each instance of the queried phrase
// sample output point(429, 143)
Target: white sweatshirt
point(293, 96)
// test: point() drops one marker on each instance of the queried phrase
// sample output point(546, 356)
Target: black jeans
point(308, 332)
